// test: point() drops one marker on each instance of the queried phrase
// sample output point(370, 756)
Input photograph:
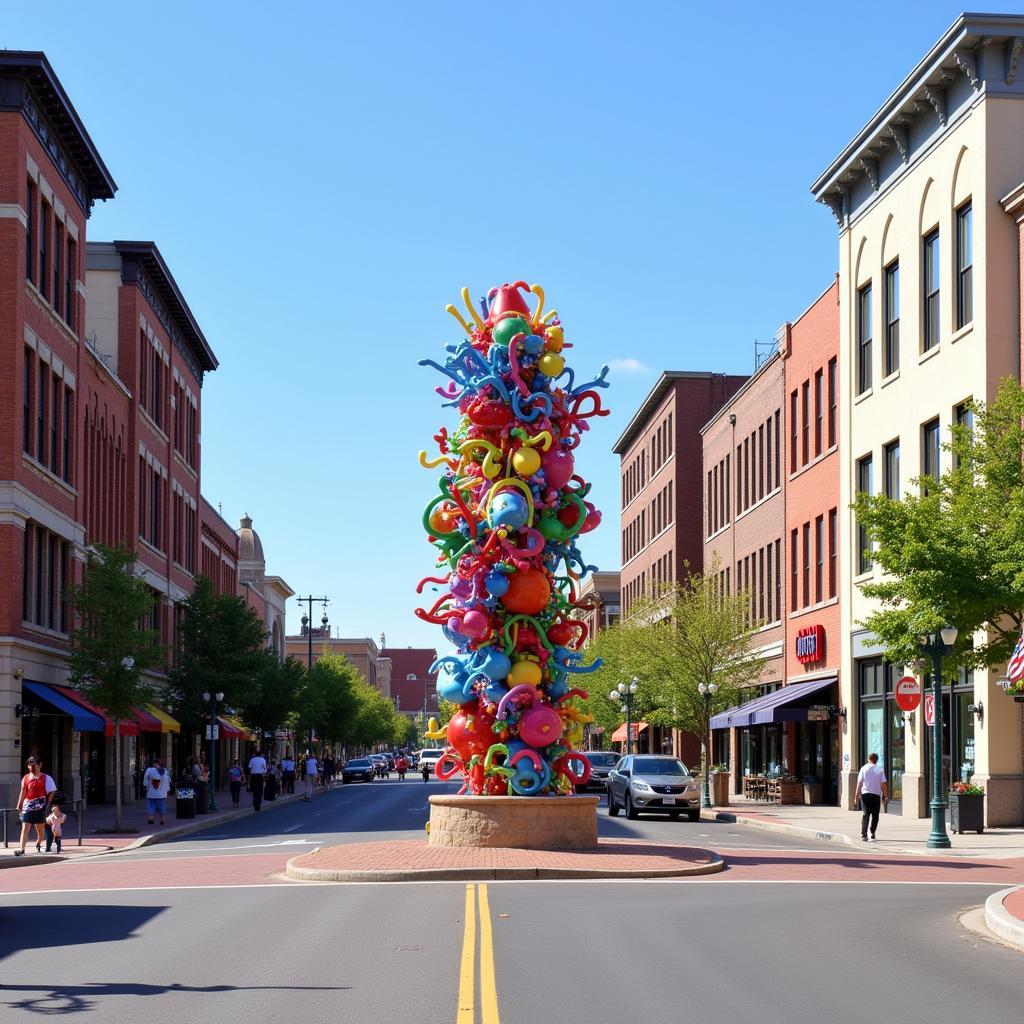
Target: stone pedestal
point(521, 822)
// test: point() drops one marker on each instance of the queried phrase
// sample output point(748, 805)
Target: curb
point(1001, 922)
point(483, 874)
point(779, 826)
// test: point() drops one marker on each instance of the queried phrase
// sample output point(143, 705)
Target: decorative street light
point(937, 645)
point(213, 699)
point(623, 695)
point(707, 691)
point(307, 623)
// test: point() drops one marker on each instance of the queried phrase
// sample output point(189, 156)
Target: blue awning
point(772, 707)
point(82, 719)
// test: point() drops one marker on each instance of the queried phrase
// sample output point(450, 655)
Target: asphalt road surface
point(105, 943)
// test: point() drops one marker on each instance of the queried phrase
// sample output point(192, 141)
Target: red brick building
point(660, 469)
point(413, 685)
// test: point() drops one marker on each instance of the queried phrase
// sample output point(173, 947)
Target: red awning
point(228, 731)
point(129, 727)
point(619, 736)
point(147, 722)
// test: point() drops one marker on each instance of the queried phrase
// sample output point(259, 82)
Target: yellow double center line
point(467, 974)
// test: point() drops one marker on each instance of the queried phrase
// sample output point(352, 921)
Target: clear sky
point(323, 178)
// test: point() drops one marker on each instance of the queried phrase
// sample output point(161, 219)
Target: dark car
point(601, 763)
point(359, 769)
point(653, 782)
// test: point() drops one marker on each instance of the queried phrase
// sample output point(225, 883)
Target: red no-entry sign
point(908, 694)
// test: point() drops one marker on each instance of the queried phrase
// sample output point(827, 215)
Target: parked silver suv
point(650, 782)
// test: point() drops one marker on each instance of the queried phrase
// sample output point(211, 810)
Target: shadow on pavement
point(45, 927)
point(58, 999)
point(866, 862)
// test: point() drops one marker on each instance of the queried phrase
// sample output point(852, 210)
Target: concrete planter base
point(519, 822)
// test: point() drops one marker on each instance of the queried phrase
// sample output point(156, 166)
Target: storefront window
point(964, 761)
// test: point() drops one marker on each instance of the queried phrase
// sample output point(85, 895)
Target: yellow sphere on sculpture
point(551, 364)
point(525, 672)
point(526, 461)
point(554, 339)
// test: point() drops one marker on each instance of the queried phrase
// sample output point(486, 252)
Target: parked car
point(430, 757)
point(652, 783)
point(601, 764)
point(359, 769)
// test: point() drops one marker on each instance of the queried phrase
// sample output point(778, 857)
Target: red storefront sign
point(908, 694)
point(929, 709)
point(810, 644)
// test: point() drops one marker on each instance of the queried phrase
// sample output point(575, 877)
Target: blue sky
point(322, 184)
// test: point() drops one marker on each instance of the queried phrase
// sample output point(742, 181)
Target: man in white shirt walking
point(257, 776)
point(312, 771)
point(872, 791)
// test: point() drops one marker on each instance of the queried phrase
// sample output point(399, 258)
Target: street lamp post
point(937, 645)
point(623, 694)
point(307, 623)
point(213, 699)
point(707, 691)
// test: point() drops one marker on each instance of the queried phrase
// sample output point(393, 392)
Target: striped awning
point(167, 723)
point(238, 724)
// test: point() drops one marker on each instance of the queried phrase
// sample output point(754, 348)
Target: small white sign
point(215, 730)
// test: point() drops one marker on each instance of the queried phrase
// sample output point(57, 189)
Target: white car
point(430, 757)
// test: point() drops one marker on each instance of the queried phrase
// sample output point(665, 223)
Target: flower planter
point(720, 786)
point(967, 812)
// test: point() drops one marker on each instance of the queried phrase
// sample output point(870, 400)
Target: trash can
point(184, 802)
point(202, 797)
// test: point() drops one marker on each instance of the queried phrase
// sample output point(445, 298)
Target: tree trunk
point(117, 775)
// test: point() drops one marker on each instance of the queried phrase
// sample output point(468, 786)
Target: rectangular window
point(29, 390)
point(30, 233)
point(964, 266)
point(778, 448)
point(864, 339)
point(44, 250)
point(26, 573)
point(143, 368)
point(154, 511)
point(710, 507)
point(55, 404)
point(727, 494)
point(778, 578)
point(40, 559)
point(70, 275)
point(833, 398)
point(746, 472)
point(41, 408)
point(771, 611)
point(807, 565)
point(930, 451)
point(805, 434)
point(760, 586)
point(58, 264)
point(819, 411)
point(792, 432)
point(794, 569)
point(892, 318)
point(819, 565)
point(66, 422)
point(963, 417)
point(833, 550)
point(891, 471)
point(760, 462)
point(932, 272)
point(864, 486)
point(768, 455)
point(142, 496)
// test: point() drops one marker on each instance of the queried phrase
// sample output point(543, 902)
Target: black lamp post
point(623, 694)
point(213, 699)
point(307, 621)
point(707, 691)
point(937, 645)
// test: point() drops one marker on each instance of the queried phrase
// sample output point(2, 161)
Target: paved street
point(206, 928)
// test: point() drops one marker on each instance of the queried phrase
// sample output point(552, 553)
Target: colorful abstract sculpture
point(505, 522)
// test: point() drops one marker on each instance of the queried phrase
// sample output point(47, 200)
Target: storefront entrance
point(957, 736)
point(882, 727)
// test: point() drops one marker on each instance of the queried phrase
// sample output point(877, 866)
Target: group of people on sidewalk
point(265, 779)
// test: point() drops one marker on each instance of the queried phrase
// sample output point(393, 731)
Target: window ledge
point(814, 462)
point(894, 376)
point(32, 463)
point(962, 333)
point(47, 307)
point(153, 424)
point(864, 577)
point(152, 548)
point(761, 501)
point(863, 396)
point(930, 354)
point(179, 461)
point(811, 608)
point(53, 634)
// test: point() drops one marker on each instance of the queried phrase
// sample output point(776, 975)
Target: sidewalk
point(896, 834)
point(98, 834)
point(1004, 915)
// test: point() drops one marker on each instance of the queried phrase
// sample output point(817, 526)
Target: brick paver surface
point(1014, 903)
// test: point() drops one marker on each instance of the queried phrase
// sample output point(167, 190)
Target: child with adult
point(34, 800)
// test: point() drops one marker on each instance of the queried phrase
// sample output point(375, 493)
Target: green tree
point(272, 700)
point(952, 550)
point(110, 650)
point(673, 643)
point(223, 645)
point(327, 701)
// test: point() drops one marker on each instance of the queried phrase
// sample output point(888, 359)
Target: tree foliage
point(671, 644)
point(270, 702)
point(952, 551)
point(223, 645)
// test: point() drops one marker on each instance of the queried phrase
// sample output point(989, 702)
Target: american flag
point(1015, 668)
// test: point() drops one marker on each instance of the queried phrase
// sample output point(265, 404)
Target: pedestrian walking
point(312, 771)
point(157, 783)
point(871, 793)
point(34, 798)
point(287, 773)
point(402, 766)
point(54, 826)
point(235, 777)
point(271, 783)
point(257, 772)
point(424, 770)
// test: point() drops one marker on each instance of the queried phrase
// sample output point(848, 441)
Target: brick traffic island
point(520, 822)
point(413, 860)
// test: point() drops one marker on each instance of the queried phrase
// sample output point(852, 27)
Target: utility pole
point(307, 623)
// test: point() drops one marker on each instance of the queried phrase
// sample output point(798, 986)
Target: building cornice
point(980, 52)
point(29, 85)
